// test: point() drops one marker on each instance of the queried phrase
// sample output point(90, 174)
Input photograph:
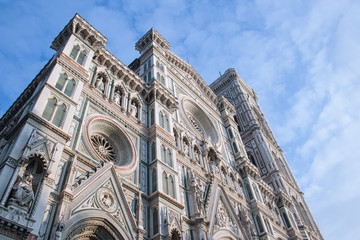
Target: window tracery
point(78, 57)
point(103, 147)
point(52, 107)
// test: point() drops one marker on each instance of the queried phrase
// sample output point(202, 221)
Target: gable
point(102, 196)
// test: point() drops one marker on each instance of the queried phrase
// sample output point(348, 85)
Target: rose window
point(103, 147)
point(105, 140)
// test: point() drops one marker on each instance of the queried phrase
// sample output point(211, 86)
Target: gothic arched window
point(155, 222)
point(59, 115)
point(169, 158)
point(69, 87)
point(161, 119)
point(163, 153)
point(153, 180)
point(49, 109)
point(153, 151)
point(74, 52)
point(152, 117)
point(81, 57)
point(165, 183)
point(166, 123)
point(171, 187)
point(61, 81)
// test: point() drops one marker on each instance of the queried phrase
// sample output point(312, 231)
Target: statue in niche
point(186, 148)
point(133, 109)
point(22, 193)
point(117, 98)
point(197, 156)
point(100, 83)
point(59, 229)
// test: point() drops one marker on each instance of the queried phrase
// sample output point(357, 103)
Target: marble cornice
point(94, 39)
point(171, 200)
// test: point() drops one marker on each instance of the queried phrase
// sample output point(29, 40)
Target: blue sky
point(302, 58)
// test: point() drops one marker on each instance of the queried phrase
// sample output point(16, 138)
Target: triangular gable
point(222, 217)
point(103, 193)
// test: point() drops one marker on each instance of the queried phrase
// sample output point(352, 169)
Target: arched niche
point(196, 118)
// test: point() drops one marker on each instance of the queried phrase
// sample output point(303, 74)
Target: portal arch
point(91, 229)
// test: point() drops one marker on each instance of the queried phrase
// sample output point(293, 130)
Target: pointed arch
point(59, 115)
point(49, 108)
point(171, 187)
point(81, 58)
point(155, 221)
point(165, 183)
point(153, 151)
point(153, 180)
point(61, 81)
point(70, 87)
point(75, 51)
point(169, 158)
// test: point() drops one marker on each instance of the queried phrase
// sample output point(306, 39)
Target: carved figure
point(22, 192)
point(197, 156)
point(133, 109)
point(186, 149)
point(58, 233)
point(106, 200)
point(100, 83)
point(117, 98)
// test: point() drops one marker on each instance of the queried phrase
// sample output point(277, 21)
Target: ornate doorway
point(94, 230)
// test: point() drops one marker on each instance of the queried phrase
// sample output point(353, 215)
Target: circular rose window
point(103, 147)
point(107, 141)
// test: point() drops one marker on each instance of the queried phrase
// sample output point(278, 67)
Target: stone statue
point(197, 156)
point(100, 83)
point(133, 109)
point(117, 98)
point(186, 149)
point(22, 192)
point(59, 229)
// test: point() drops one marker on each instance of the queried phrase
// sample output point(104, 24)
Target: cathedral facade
point(95, 149)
